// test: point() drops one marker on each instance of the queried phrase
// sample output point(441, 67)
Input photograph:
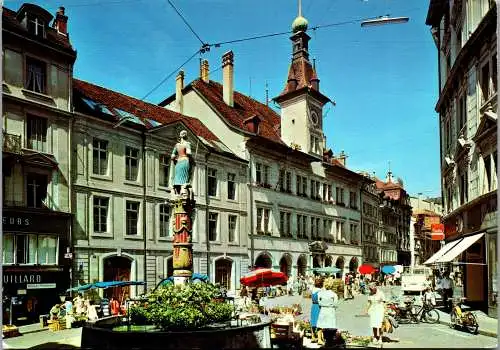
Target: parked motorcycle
point(404, 311)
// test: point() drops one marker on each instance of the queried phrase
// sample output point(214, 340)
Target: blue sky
point(383, 79)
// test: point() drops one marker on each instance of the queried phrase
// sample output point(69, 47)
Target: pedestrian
point(54, 312)
point(68, 308)
point(114, 306)
point(327, 318)
point(446, 285)
point(91, 311)
point(318, 283)
point(348, 287)
point(376, 309)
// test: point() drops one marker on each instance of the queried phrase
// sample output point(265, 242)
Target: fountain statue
point(181, 174)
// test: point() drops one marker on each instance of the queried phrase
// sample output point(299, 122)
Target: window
point(325, 195)
point(286, 182)
point(26, 249)
point(29, 249)
point(47, 250)
point(485, 81)
point(318, 227)
point(36, 190)
point(462, 113)
point(313, 228)
point(164, 220)
point(298, 184)
point(266, 220)
point(212, 226)
point(36, 75)
point(300, 230)
point(464, 188)
point(487, 170)
point(212, 182)
point(261, 173)
point(329, 193)
point(131, 163)
point(304, 226)
point(132, 217)
point(260, 214)
point(313, 189)
point(37, 133)
point(36, 26)
point(101, 214)
point(164, 170)
point(100, 157)
point(340, 195)
point(353, 200)
point(285, 225)
point(304, 186)
point(231, 186)
point(232, 227)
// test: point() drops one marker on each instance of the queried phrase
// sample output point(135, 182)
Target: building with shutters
point(466, 41)
point(37, 115)
point(304, 203)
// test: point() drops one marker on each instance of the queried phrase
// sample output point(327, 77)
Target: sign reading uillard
point(22, 278)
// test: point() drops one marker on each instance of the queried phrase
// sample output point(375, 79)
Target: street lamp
point(382, 20)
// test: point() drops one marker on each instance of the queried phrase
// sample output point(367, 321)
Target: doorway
point(117, 268)
point(223, 273)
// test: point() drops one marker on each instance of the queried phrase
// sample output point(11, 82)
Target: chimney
point(179, 85)
point(228, 78)
point(204, 71)
point(61, 22)
point(342, 158)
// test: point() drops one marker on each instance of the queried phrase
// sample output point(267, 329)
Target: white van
point(415, 278)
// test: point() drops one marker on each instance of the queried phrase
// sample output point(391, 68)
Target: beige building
point(371, 239)
point(304, 204)
point(36, 216)
point(123, 202)
point(465, 36)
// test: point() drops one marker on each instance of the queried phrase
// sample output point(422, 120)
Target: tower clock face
point(314, 118)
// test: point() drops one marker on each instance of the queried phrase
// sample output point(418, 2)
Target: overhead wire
point(186, 22)
point(169, 75)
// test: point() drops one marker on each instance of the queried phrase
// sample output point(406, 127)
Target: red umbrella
point(366, 269)
point(263, 278)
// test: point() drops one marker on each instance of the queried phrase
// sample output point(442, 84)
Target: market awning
point(461, 247)
point(445, 249)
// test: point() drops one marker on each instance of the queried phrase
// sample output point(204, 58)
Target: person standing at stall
point(376, 309)
point(315, 308)
point(327, 318)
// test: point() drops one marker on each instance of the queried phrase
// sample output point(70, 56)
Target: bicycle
point(427, 312)
point(463, 319)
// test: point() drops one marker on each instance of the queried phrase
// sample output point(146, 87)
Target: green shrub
point(182, 307)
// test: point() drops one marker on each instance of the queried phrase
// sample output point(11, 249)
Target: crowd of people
point(80, 308)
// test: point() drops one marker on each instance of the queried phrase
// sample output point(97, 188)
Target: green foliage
point(182, 307)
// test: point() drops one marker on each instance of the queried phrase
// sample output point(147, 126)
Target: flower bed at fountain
point(188, 316)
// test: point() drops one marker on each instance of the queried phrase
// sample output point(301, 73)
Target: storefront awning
point(433, 259)
point(462, 246)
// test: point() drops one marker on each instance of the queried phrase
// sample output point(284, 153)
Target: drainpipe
point(250, 187)
point(207, 213)
point(361, 218)
point(439, 118)
point(70, 203)
point(144, 235)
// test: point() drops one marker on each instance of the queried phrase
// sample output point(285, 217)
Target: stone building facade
point(36, 216)
point(123, 199)
point(465, 36)
point(304, 203)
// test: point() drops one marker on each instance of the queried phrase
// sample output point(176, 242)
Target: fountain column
point(183, 246)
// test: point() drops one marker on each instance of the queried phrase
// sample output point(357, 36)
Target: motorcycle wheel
point(472, 325)
point(431, 316)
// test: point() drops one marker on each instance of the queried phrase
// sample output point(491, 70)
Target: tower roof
point(299, 24)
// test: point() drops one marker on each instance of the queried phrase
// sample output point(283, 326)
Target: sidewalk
point(487, 326)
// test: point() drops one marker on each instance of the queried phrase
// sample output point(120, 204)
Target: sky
point(383, 79)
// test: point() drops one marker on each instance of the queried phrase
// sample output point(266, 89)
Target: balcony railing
point(12, 143)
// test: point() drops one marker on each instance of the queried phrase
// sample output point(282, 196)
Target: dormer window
point(36, 26)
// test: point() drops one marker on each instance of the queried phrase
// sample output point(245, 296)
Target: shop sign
point(22, 278)
point(41, 286)
point(16, 221)
point(437, 232)
point(21, 292)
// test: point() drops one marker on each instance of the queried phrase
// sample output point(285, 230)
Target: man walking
point(446, 285)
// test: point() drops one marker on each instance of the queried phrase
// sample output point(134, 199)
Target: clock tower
point(301, 101)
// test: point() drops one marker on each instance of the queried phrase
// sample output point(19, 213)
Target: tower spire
point(300, 8)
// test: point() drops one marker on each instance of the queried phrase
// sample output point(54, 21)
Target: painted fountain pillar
point(181, 174)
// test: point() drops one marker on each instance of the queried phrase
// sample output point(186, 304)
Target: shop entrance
point(223, 273)
point(117, 268)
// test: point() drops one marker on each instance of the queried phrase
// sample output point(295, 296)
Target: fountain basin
point(112, 333)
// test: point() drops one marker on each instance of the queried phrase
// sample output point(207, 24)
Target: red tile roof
point(141, 109)
point(303, 73)
point(244, 108)
point(10, 21)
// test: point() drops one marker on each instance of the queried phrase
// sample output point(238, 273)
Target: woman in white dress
point(327, 319)
point(376, 310)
